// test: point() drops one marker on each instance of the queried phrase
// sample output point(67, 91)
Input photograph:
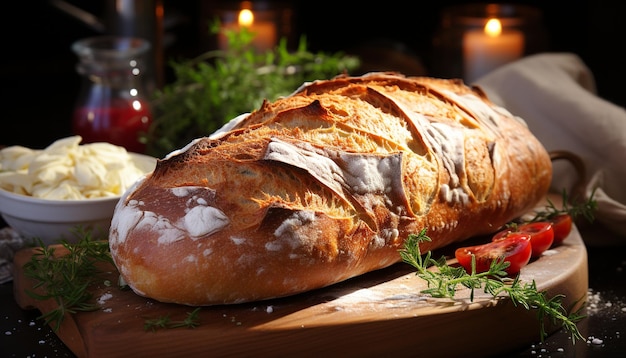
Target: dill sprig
point(443, 283)
point(66, 278)
point(165, 322)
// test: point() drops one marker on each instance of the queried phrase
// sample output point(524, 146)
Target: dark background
point(39, 82)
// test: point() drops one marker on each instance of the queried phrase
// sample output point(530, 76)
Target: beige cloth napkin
point(555, 94)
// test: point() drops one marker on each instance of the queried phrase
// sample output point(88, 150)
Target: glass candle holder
point(474, 39)
point(268, 21)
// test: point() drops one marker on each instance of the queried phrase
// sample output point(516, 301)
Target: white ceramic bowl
point(56, 220)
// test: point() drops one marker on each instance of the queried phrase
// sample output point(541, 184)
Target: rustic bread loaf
point(324, 185)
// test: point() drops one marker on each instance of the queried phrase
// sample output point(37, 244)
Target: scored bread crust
point(324, 185)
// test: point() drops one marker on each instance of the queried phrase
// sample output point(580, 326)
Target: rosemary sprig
point(165, 322)
point(66, 278)
point(443, 283)
point(572, 206)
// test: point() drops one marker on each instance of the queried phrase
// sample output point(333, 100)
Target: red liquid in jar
point(119, 124)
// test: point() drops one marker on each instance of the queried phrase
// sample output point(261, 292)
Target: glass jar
point(111, 105)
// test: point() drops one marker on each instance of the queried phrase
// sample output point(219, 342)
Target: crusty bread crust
point(324, 185)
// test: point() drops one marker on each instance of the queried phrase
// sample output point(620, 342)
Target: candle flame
point(246, 17)
point(493, 27)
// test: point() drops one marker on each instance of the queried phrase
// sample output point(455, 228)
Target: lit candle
point(488, 48)
point(264, 31)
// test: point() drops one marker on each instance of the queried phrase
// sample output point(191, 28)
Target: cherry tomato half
point(514, 248)
point(562, 226)
point(541, 235)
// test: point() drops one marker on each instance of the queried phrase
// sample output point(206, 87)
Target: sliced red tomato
point(541, 235)
point(514, 248)
point(562, 226)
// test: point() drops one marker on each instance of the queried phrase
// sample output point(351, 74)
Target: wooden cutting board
point(380, 313)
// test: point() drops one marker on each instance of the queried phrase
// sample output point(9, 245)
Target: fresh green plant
point(165, 322)
point(67, 278)
point(217, 86)
point(575, 207)
point(444, 279)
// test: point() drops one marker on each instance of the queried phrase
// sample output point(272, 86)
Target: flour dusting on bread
point(324, 185)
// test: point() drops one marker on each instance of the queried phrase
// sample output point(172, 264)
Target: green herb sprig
point(575, 207)
point(445, 279)
point(66, 278)
point(165, 322)
point(218, 85)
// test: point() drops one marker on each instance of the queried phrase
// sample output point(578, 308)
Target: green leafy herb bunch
point(219, 85)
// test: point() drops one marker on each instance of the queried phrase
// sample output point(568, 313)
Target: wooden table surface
point(376, 314)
